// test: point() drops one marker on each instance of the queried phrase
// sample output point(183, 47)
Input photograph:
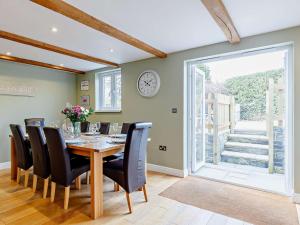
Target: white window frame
point(99, 91)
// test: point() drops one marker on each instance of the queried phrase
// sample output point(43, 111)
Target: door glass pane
point(107, 103)
point(199, 117)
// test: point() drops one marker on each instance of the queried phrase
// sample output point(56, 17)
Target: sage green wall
point(53, 90)
point(167, 127)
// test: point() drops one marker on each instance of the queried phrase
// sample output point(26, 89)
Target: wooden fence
point(220, 117)
point(271, 117)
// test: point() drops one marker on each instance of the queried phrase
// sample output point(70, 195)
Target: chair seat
point(114, 170)
point(79, 165)
point(114, 157)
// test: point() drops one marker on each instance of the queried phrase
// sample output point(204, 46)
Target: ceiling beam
point(220, 14)
point(41, 64)
point(76, 14)
point(53, 48)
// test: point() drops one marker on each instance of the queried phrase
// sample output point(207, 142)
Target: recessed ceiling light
point(8, 53)
point(111, 50)
point(54, 29)
point(61, 64)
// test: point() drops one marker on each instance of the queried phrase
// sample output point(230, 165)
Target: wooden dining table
point(96, 149)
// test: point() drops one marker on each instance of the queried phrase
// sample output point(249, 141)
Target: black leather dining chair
point(64, 170)
point(104, 129)
point(23, 153)
point(40, 155)
point(85, 126)
point(125, 128)
point(40, 122)
point(129, 172)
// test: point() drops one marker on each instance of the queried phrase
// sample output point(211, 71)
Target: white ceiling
point(168, 25)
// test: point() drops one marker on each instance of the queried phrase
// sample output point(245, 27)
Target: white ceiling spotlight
point(61, 64)
point(54, 29)
point(8, 53)
point(112, 50)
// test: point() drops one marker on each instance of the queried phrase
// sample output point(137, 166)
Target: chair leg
point(18, 175)
point(87, 174)
point(34, 183)
point(128, 202)
point(145, 193)
point(26, 178)
point(78, 183)
point(67, 195)
point(116, 187)
point(53, 187)
point(46, 183)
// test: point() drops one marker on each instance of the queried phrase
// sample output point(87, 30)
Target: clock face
point(148, 83)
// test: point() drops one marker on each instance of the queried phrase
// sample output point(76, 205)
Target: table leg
point(13, 160)
point(96, 185)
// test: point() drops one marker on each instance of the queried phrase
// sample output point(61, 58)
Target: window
point(108, 91)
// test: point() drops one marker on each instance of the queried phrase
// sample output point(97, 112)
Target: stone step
point(256, 149)
point(246, 138)
point(250, 132)
point(245, 159)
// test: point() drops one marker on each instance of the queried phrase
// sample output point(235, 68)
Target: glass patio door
point(197, 118)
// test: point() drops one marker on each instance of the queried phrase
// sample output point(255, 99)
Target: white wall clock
point(148, 83)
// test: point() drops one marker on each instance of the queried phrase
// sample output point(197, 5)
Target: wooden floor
point(19, 205)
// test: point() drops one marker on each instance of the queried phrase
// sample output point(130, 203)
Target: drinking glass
point(93, 128)
point(98, 126)
point(114, 128)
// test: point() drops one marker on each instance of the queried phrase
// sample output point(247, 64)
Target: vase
point(77, 129)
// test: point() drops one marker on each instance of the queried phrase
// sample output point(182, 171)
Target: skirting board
point(4, 165)
point(296, 198)
point(167, 170)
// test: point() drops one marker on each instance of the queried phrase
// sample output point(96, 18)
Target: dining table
point(96, 148)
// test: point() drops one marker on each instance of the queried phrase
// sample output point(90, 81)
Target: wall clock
point(148, 83)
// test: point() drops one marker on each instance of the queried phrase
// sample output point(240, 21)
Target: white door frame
point(289, 114)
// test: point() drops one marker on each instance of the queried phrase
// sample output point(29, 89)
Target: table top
point(99, 143)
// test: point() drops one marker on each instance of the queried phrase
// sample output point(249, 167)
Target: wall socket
point(163, 148)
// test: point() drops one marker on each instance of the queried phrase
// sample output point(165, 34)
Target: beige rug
point(245, 204)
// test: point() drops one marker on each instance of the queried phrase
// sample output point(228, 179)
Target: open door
point(197, 118)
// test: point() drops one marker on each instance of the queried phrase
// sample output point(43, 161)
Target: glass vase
point(77, 129)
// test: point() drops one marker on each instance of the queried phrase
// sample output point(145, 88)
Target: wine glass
point(93, 128)
point(114, 128)
point(98, 126)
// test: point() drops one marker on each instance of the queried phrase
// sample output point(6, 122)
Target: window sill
point(108, 111)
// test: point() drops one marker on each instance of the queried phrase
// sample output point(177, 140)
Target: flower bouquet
point(77, 114)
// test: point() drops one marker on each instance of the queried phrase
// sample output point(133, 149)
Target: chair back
point(39, 122)
point(85, 126)
point(135, 155)
point(40, 154)
point(125, 128)
point(104, 129)
point(23, 154)
point(59, 156)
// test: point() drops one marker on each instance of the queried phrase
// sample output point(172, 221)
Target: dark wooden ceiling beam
point(53, 48)
point(220, 14)
point(41, 64)
point(76, 14)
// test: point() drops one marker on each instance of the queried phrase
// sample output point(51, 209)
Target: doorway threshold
point(245, 176)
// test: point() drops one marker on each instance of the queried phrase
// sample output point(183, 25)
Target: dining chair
point(85, 126)
point(23, 153)
point(64, 170)
point(34, 122)
point(125, 128)
point(129, 172)
point(40, 155)
point(104, 128)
